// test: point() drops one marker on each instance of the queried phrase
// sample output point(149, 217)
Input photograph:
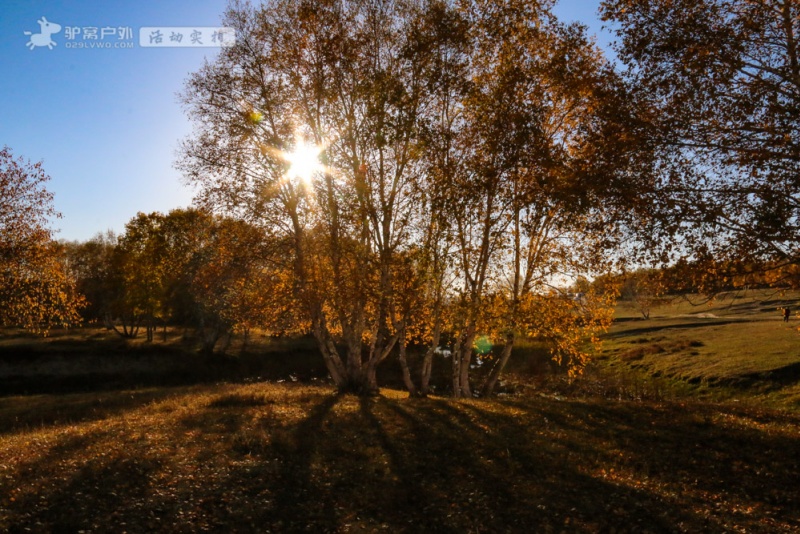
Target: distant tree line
point(187, 268)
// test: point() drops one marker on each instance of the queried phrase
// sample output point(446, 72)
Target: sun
point(303, 161)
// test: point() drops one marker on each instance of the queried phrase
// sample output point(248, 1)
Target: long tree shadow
point(415, 497)
point(698, 323)
point(513, 478)
point(272, 479)
point(18, 413)
point(297, 459)
point(76, 493)
point(297, 502)
point(692, 457)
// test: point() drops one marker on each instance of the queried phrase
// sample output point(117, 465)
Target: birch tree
point(343, 77)
point(448, 140)
point(533, 202)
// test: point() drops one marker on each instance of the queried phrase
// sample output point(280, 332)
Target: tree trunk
point(210, 336)
point(466, 359)
point(370, 380)
point(150, 328)
point(228, 339)
point(456, 356)
point(129, 330)
point(427, 361)
point(425, 373)
point(360, 378)
point(330, 356)
point(491, 380)
point(407, 380)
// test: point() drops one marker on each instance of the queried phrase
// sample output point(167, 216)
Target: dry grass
point(737, 344)
point(282, 458)
point(293, 457)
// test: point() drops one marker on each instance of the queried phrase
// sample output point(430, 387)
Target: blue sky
point(106, 122)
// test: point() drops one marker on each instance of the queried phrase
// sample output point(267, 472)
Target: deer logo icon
point(43, 38)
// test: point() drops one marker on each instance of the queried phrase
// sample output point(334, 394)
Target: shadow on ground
point(264, 458)
point(681, 324)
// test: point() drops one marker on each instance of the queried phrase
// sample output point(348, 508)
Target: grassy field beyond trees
point(735, 346)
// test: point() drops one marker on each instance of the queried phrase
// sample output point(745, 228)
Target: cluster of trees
point(186, 268)
point(471, 157)
point(474, 154)
point(36, 290)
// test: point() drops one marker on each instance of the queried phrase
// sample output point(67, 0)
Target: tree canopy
point(35, 287)
point(721, 80)
point(469, 153)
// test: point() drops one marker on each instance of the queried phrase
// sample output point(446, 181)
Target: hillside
point(735, 346)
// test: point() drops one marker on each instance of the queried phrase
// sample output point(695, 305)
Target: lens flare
point(483, 345)
point(303, 161)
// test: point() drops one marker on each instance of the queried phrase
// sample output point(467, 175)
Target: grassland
point(291, 457)
point(733, 347)
point(688, 422)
